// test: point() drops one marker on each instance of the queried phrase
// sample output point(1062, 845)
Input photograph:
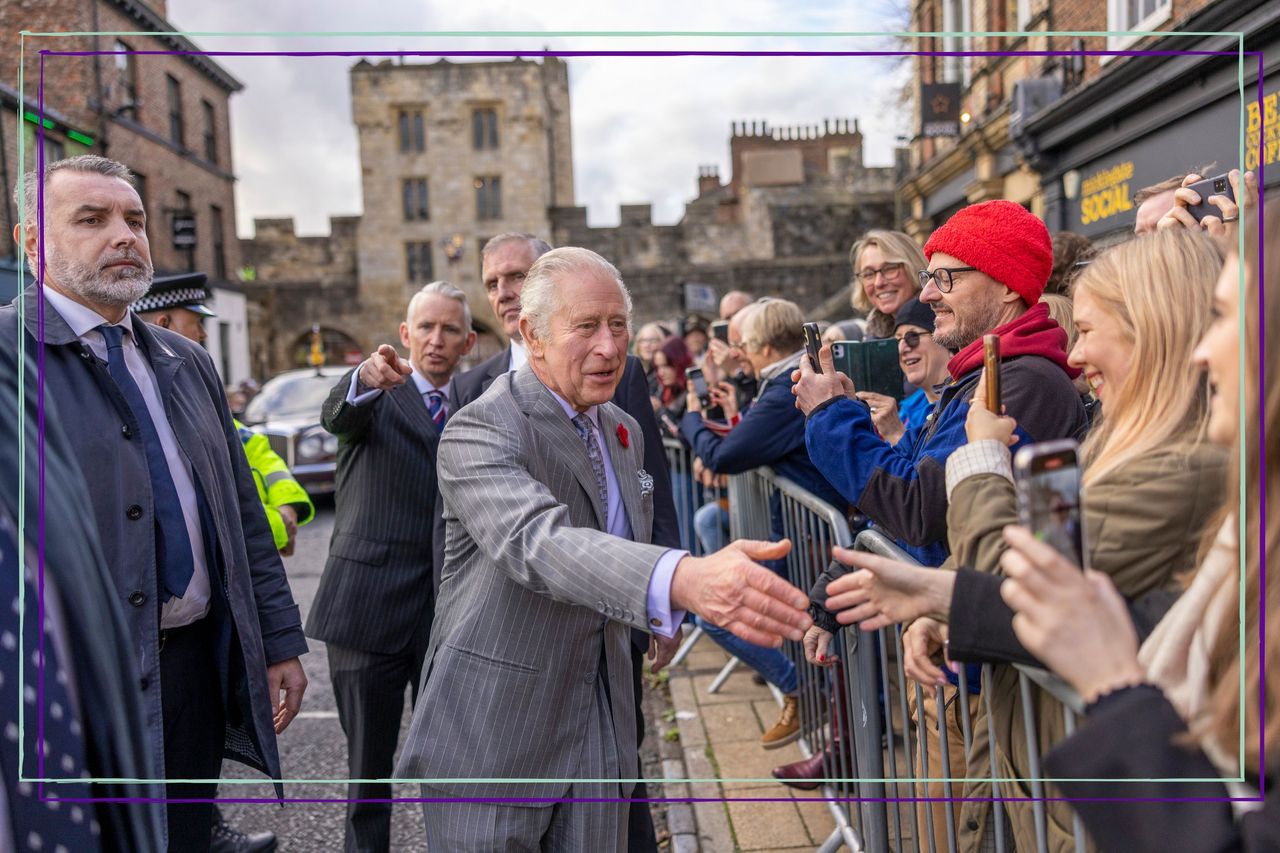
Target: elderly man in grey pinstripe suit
point(548, 513)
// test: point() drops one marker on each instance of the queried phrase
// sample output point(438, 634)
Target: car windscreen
point(289, 397)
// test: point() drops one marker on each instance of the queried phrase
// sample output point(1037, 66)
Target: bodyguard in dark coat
point(145, 415)
point(375, 604)
point(91, 642)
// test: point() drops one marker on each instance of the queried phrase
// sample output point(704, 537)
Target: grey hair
point(540, 247)
point(26, 193)
point(440, 288)
point(540, 298)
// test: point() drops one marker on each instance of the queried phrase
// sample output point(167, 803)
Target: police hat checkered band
point(178, 298)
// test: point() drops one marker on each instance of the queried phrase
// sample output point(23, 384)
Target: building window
point(484, 128)
point(126, 79)
point(488, 197)
point(175, 111)
point(140, 184)
point(1134, 15)
point(210, 135)
point(418, 262)
point(956, 21)
point(54, 149)
point(216, 239)
point(183, 208)
point(413, 132)
point(414, 198)
point(224, 350)
point(1023, 14)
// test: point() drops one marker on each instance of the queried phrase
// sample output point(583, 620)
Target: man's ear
point(164, 321)
point(471, 341)
point(530, 337)
point(1010, 296)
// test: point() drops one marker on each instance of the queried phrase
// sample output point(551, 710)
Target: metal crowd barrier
point(848, 712)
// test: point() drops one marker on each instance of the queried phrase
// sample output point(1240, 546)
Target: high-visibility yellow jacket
point(276, 486)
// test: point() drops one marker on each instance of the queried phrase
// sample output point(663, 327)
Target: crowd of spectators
point(1129, 350)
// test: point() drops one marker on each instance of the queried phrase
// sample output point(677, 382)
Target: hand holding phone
point(813, 343)
point(1047, 477)
point(1218, 185)
point(720, 330)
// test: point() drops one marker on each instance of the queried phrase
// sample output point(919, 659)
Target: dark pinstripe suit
point(376, 598)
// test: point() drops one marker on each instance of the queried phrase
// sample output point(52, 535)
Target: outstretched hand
point(384, 369)
point(884, 592)
point(730, 589)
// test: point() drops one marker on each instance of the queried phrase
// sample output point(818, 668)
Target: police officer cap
point(185, 290)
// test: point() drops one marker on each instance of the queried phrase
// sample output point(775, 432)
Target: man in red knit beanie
point(987, 269)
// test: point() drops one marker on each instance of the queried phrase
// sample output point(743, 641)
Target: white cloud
point(641, 126)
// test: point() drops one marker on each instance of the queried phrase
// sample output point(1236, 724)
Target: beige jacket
point(1143, 526)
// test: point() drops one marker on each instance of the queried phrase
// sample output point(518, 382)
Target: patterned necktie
point(48, 825)
point(435, 405)
point(173, 545)
point(583, 424)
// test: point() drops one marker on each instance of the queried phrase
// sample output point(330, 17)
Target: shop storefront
point(1155, 117)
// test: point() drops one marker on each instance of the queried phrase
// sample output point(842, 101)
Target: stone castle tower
point(450, 155)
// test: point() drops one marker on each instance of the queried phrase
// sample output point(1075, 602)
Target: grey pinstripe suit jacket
point(533, 593)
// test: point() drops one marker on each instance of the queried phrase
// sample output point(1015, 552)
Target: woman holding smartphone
point(1152, 485)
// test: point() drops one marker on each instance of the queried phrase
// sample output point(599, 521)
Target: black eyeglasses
point(944, 277)
point(887, 270)
point(912, 339)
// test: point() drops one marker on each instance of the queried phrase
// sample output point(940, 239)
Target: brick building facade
point(166, 117)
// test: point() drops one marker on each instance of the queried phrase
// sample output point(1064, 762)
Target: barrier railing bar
point(998, 809)
point(1033, 755)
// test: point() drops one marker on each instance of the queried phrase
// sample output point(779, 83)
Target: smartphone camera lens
point(1220, 186)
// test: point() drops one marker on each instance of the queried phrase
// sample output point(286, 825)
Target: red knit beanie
point(1002, 239)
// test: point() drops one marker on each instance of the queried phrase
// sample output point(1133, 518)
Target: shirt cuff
point(355, 399)
point(980, 457)
point(663, 621)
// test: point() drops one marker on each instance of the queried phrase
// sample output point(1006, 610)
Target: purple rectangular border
point(40, 420)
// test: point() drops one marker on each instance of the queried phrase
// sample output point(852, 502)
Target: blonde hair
point(1222, 714)
point(777, 323)
point(1060, 309)
point(1159, 287)
point(897, 248)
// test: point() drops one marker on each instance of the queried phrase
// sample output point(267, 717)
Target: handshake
point(730, 589)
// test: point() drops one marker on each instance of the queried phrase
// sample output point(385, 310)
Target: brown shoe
point(787, 729)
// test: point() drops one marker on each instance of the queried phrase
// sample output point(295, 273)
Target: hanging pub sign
point(184, 230)
point(940, 109)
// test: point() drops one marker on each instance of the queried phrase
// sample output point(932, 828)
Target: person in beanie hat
point(988, 266)
point(176, 302)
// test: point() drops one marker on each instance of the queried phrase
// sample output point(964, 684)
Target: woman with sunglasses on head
point(884, 278)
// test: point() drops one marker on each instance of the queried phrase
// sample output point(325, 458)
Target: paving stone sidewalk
point(719, 738)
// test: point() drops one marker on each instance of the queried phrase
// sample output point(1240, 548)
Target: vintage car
point(287, 412)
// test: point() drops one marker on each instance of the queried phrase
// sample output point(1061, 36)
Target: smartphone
point(1217, 185)
point(813, 343)
point(720, 330)
point(693, 375)
point(991, 362)
point(872, 365)
point(1047, 476)
point(669, 422)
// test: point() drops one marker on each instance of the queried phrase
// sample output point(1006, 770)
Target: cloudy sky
point(641, 125)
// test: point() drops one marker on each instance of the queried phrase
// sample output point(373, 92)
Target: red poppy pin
point(623, 438)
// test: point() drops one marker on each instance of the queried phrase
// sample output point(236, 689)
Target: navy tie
point(48, 824)
point(173, 544)
point(435, 406)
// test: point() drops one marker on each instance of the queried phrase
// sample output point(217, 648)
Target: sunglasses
point(912, 339)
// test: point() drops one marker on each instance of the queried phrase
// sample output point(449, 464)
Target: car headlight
point(315, 444)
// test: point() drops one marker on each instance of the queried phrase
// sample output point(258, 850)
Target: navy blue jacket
point(771, 433)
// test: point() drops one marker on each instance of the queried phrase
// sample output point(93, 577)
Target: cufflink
point(656, 622)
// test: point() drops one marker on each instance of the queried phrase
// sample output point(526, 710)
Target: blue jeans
point(776, 667)
point(711, 523)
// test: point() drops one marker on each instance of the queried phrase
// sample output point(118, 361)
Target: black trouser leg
point(194, 731)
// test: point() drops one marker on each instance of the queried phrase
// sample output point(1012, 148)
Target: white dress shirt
point(519, 355)
point(84, 322)
point(662, 620)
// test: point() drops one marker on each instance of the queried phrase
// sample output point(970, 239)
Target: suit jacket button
point(125, 431)
point(137, 598)
point(134, 512)
point(144, 682)
point(589, 678)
